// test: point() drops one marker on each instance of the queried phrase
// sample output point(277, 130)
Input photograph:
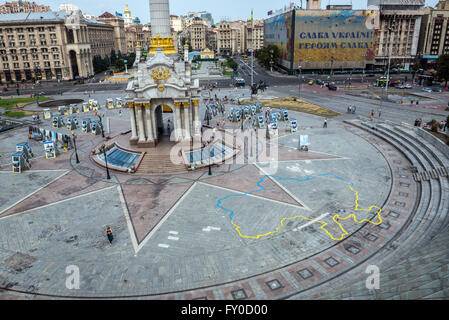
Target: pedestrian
point(223, 123)
point(325, 123)
point(218, 123)
point(372, 114)
point(380, 112)
point(168, 126)
point(109, 235)
point(120, 113)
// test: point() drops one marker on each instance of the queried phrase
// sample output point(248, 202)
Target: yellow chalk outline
point(323, 224)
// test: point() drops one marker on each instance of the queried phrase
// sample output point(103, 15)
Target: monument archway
point(163, 115)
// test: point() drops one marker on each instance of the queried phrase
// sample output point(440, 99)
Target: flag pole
point(252, 49)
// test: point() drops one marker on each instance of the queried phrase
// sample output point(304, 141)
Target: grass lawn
point(12, 102)
point(228, 73)
point(296, 104)
point(15, 114)
point(198, 66)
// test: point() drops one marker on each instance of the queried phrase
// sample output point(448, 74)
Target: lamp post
point(299, 81)
point(209, 147)
point(101, 125)
point(76, 151)
point(271, 60)
point(103, 149)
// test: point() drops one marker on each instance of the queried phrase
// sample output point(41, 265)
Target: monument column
point(149, 127)
point(186, 120)
point(140, 123)
point(178, 124)
point(132, 114)
point(197, 121)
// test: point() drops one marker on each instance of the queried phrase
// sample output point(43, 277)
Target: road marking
point(29, 195)
point(173, 232)
point(173, 238)
point(335, 218)
point(163, 245)
point(129, 223)
point(152, 232)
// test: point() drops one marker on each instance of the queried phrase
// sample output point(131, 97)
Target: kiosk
point(57, 122)
point(258, 106)
point(47, 114)
point(118, 103)
point(259, 121)
point(86, 107)
point(19, 163)
point(284, 115)
point(85, 125)
point(25, 149)
point(273, 129)
point(71, 124)
point(293, 125)
point(304, 143)
point(110, 103)
point(50, 149)
point(95, 127)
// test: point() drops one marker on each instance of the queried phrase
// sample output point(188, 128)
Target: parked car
point(426, 89)
point(332, 87)
point(437, 89)
point(311, 82)
point(400, 86)
point(408, 86)
point(319, 82)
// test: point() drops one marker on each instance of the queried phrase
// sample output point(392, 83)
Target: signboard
point(279, 32)
point(330, 39)
point(304, 140)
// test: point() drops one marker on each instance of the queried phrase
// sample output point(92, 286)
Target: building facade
point(22, 6)
point(119, 31)
point(255, 35)
point(399, 30)
point(434, 35)
point(197, 34)
point(51, 45)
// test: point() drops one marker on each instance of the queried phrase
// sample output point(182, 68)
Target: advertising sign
point(330, 39)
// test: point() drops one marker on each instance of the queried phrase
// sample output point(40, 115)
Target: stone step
point(442, 171)
point(417, 177)
point(425, 176)
point(434, 174)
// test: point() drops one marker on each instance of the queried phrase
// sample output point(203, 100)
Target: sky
point(220, 9)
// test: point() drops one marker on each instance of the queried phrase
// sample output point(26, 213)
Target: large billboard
point(278, 31)
point(332, 39)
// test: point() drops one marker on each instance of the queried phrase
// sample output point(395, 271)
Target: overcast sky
point(220, 9)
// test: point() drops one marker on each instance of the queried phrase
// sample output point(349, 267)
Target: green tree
point(113, 57)
point(268, 54)
point(443, 68)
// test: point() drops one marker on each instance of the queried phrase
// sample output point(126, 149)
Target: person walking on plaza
point(120, 113)
point(109, 235)
point(372, 114)
point(325, 123)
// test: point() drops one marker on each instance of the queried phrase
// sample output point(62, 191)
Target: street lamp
point(209, 147)
point(74, 144)
point(101, 125)
point(299, 81)
point(103, 149)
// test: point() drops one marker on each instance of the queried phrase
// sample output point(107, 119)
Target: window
point(25, 58)
point(6, 66)
point(8, 30)
point(40, 29)
point(53, 36)
point(10, 37)
point(19, 30)
point(54, 49)
point(16, 66)
point(54, 42)
point(32, 37)
point(57, 64)
point(26, 65)
point(56, 56)
point(52, 28)
point(21, 37)
point(42, 36)
point(33, 50)
point(30, 29)
point(4, 58)
point(23, 51)
point(43, 43)
point(36, 64)
point(15, 58)
point(35, 57)
point(47, 64)
point(44, 50)
point(12, 44)
point(45, 56)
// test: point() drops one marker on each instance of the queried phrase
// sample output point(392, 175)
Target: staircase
point(159, 164)
point(416, 267)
